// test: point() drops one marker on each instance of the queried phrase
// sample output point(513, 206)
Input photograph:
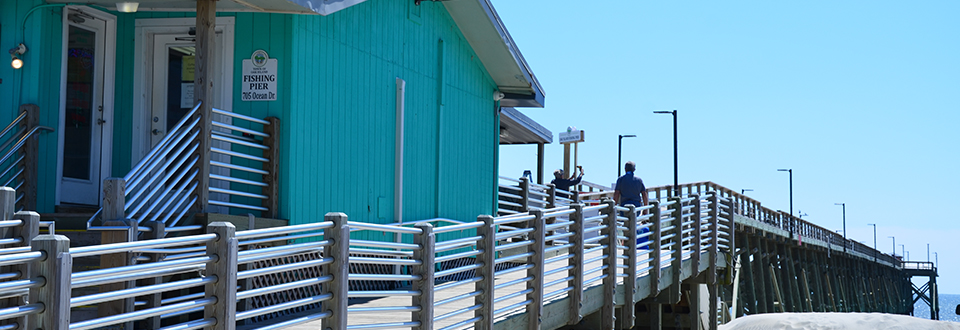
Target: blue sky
point(860, 98)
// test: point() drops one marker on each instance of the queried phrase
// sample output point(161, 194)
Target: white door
point(170, 50)
point(87, 106)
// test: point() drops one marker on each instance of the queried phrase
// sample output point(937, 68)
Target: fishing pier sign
point(259, 78)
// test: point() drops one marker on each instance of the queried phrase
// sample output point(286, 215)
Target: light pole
point(844, 224)
point(790, 170)
point(936, 260)
point(745, 190)
point(619, 147)
point(874, 234)
point(676, 181)
point(903, 252)
point(894, 245)
point(928, 252)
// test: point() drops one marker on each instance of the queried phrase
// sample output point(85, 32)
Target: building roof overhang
point(517, 128)
point(486, 33)
point(477, 20)
point(313, 7)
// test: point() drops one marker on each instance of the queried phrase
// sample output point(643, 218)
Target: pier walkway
point(545, 262)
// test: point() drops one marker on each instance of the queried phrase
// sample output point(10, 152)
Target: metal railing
point(518, 195)
point(18, 155)
point(163, 186)
point(244, 163)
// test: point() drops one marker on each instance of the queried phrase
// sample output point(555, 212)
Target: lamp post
point(894, 245)
point(844, 224)
point(790, 170)
point(874, 234)
point(903, 252)
point(936, 260)
point(745, 190)
point(619, 147)
point(676, 181)
point(928, 252)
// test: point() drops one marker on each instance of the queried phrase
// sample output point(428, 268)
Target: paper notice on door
point(186, 95)
point(189, 67)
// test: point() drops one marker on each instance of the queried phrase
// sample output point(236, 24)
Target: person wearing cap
point(564, 184)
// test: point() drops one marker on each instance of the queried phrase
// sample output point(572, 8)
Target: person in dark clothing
point(564, 184)
point(631, 191)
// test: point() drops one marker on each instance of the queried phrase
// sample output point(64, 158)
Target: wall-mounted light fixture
point(15, 54)
point(127, 7)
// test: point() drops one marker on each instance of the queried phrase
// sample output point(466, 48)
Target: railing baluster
point(576, 262)
point(535, 308)
point(55, 293)
point(627, 312)
point(225, 269)
point(272, 190)
point(339, 237)
point(697, 241)
point(677, 249)
point(655, 246)
point(425, 254)
point(524, 195)
point(610, 281)
point(487, 245)
point(30, 152)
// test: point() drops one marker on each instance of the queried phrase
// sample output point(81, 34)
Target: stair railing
point(19, 149)
point(162, 186)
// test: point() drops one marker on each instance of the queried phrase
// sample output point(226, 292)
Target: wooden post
point(339, 236)
point(55, 293)
point(113, 216)
point(535, 308)
point(677, 249)
point(610, 281)
point(425, 254)
point(487, 259)
point(576, 264)
point(225, 269)
point(627, 316)
point(157, 231)
point(203, 91)
point(30, 150)
point(524, 195)
point(27, 231)
point(655, 236)
point(696, 240)
point(272, 178)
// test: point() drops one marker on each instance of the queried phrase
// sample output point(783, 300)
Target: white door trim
point(145, 29)
point(109, 70)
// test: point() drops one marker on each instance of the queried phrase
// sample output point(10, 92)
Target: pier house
point(380, 109)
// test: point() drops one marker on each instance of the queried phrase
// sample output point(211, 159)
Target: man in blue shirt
point(630, 189)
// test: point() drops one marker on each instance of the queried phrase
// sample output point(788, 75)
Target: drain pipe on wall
point(497, 96)
point(398, 166)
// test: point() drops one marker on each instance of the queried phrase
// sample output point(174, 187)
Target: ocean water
point(948, 306)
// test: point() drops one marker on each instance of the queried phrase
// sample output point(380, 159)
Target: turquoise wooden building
point(386, 110)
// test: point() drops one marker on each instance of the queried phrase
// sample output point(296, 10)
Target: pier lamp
point(742, 191)
point(844, 224)
point(676, 182)
point(936, 260)
point(903, 252)
point(619, 147)
point(894, 245)
point(874, 234)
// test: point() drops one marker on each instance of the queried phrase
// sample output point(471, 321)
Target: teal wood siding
point(38, 82)
point(340, 126)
